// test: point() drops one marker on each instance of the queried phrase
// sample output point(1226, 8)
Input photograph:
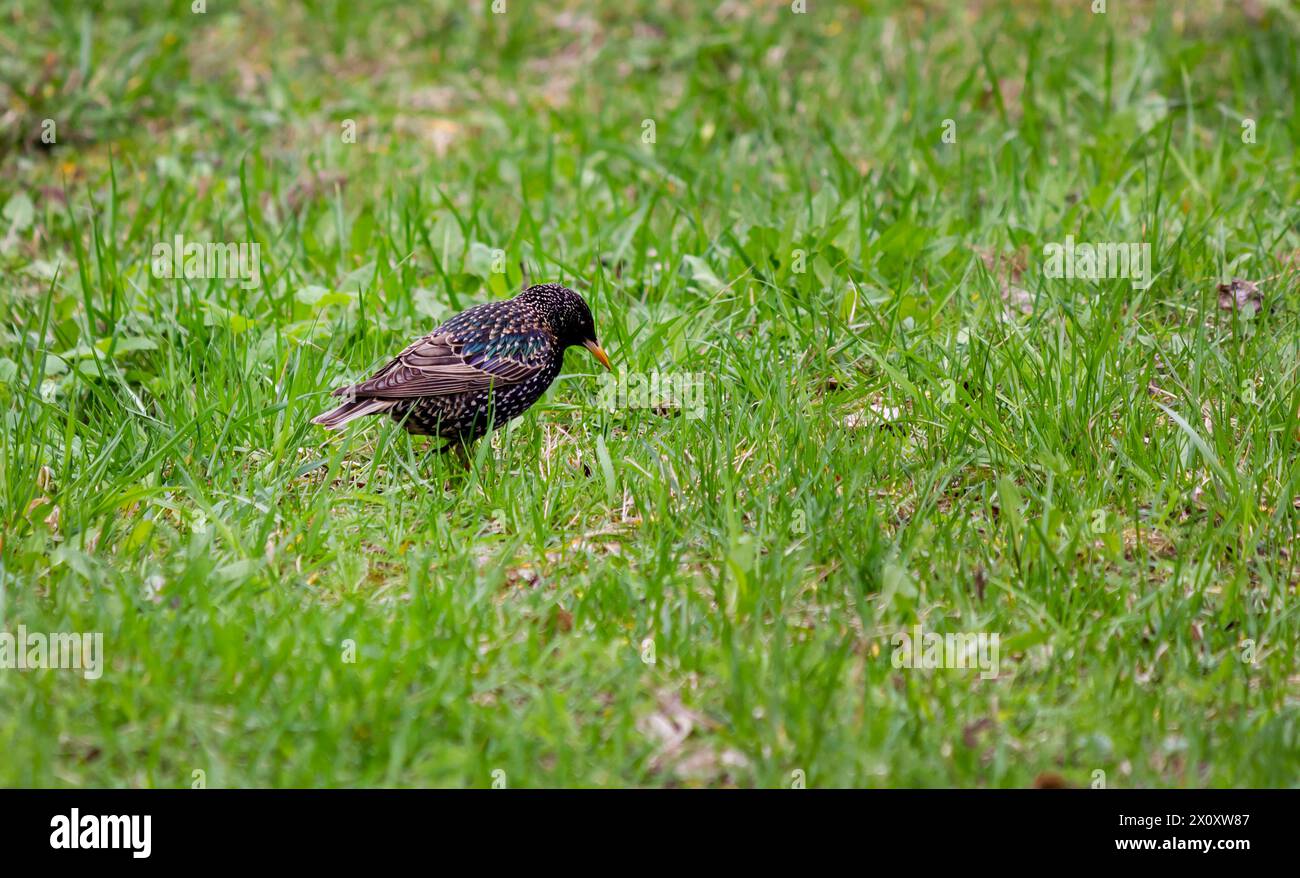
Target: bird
point(478, 370)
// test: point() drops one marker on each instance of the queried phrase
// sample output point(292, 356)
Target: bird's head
point(566, 314)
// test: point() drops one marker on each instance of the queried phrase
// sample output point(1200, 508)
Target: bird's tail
point(336, 418)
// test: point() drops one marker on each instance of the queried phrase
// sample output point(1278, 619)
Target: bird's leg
point(461, 450)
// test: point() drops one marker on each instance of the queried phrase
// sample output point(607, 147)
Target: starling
point(478, 370)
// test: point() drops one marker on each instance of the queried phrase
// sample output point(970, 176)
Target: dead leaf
point(437, 131)
point(562, 620)
point(705, 764)
point(1050, 780)
point(311, 187)
point(1239, 294)
point(671, 727)
point(877, 415)
point(1007, 269)
point(1018, 299)
point(970, 734)
point(433, 99)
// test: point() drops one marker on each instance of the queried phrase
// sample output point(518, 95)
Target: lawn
point(856, 394)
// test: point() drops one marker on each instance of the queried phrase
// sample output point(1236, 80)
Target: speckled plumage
point(478, 370)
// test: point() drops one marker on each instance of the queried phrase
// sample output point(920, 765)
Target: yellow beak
point(599, 352)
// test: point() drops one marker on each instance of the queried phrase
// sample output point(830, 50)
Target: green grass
point(1105, 477)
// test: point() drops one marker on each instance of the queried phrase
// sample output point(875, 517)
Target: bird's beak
point(599, 352)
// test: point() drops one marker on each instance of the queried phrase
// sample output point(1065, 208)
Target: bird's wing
point(441, 364)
